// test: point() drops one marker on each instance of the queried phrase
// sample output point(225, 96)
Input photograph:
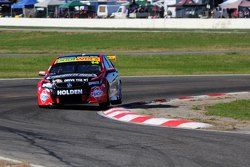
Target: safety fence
point(129, 23)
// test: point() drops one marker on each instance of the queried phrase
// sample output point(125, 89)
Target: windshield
point(80, 67)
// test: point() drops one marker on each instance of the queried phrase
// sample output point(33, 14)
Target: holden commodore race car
point(80, 79)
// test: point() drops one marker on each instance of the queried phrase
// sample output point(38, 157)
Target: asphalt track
point(76, 136)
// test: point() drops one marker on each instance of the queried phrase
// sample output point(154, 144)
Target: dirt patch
point(193, 108)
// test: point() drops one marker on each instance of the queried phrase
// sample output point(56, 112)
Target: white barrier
point(129, 23)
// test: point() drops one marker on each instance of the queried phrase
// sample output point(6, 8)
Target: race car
point(80, 79)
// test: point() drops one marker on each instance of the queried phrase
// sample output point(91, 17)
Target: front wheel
point(104, 106)
point(53, 106)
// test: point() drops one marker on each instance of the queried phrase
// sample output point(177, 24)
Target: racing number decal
point(95, 62)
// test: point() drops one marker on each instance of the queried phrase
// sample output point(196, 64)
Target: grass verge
point(239, 109)
point(28, 66)
point(65, 42)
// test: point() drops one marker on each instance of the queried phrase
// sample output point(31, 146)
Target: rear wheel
point(118, 101)
point(119, 98)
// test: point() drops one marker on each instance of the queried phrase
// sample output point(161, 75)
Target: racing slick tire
point(54, 106)
point(104, 106)
point(119, 101)
point(42, 106)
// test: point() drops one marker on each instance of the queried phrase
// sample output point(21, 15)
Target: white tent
point(230, 4)
point(46, 3)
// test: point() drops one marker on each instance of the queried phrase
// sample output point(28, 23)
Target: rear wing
point(112, 57)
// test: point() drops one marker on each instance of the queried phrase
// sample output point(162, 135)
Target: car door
point(113, 78)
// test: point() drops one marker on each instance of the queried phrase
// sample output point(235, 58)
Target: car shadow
point(82, 107)
point(95, 108)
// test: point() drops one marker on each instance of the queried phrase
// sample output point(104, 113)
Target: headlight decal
point(47, 85)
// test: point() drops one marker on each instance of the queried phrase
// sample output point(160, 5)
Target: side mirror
point(41, 73)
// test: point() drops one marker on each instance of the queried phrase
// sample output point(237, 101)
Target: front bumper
point(95, 94)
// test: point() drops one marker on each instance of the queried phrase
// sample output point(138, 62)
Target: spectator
point(241, 14)
point(246, 13)
point(161, 13)
point(228, 13)
point(235, 13)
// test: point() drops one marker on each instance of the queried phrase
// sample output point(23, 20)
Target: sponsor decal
point(81, 80)
point(69, 85)
point(44, 96)
point(97, 92)
point(76, 80)
point(69, 92)
point(112, 57)
point(69, 80)
point(71, 75)
point(94, 83)
point(94, 60)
